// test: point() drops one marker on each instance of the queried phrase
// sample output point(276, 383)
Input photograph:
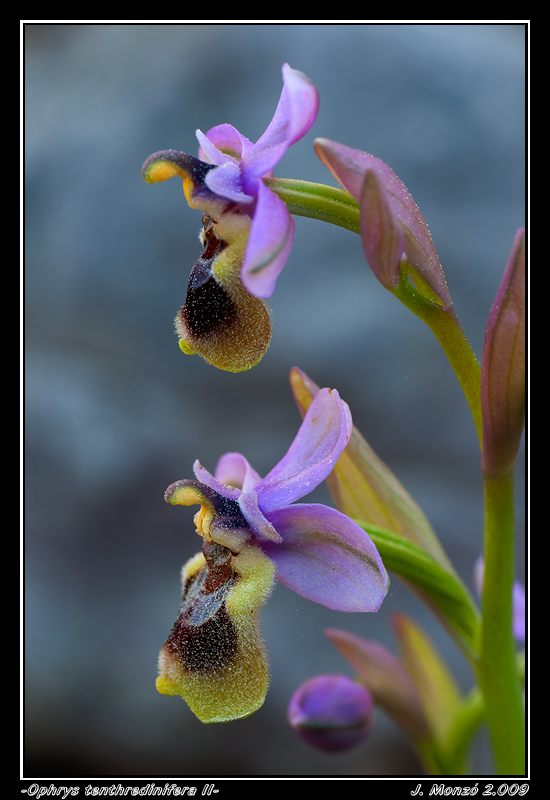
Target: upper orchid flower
point(253, 532)
point(248, 231)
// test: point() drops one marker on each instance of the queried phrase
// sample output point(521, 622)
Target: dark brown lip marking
point(204, 638)
point(207, 305)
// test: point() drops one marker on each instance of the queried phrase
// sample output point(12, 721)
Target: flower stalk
point(503, 412)
point(448, 332)
point(317, 201)
point(497, 670)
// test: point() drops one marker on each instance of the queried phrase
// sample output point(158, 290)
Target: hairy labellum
point(220, 320)
point(214, 656)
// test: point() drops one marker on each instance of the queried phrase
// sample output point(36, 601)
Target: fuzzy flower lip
point(318, 552)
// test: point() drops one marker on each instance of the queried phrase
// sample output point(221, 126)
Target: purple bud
point(331, 713)
point(391, 221)
point(503, 368)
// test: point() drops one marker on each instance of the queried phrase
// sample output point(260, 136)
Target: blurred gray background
point(115, 412)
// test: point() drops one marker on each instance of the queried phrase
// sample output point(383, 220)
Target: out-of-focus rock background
point(115, 412)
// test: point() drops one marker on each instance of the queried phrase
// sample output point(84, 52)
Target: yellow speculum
point(162, 171)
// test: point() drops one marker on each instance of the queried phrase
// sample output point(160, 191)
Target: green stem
point(432, 760)
point(497, 668)
point(447, 330)
point(315, 200)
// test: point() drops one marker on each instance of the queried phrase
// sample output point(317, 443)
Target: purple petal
point(234, 470)
point(228, 140)
point(322, 437)
point(262, 528)
point(294, 116)
point(269, 243)
point(209, 152)
point(202, 475)
point(328, 558)
point(225, 181)
point(303, 98)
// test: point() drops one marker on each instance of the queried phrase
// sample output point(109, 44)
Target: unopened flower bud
point(331, 713)
point(503, 368)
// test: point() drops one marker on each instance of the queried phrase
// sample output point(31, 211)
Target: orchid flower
point(254, 532)
point(248, 231)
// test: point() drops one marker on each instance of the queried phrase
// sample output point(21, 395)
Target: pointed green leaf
point(434, 683)
point(386, 679)
point(440, 589)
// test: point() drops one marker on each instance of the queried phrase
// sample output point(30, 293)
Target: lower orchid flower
point(248, 231)
point(254, 532)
